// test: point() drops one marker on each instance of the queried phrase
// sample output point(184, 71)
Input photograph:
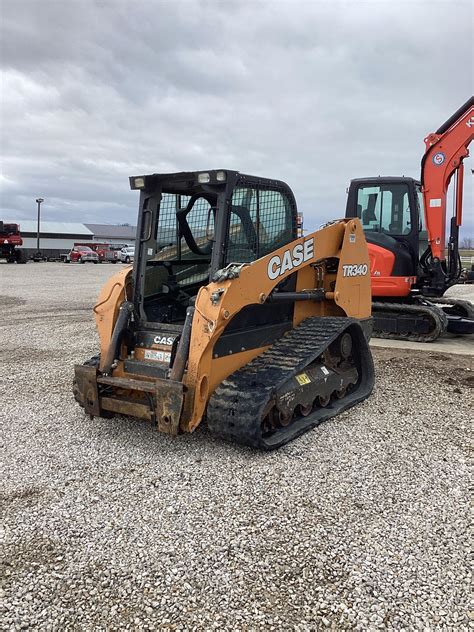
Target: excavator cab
point(391, 212)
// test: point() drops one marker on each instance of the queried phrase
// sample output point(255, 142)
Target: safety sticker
point(352, 238)
point(303, 379)
point(160, 356)
point(435, 202)
point(324, 370)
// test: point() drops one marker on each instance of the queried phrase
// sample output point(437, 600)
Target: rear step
point(129, 385)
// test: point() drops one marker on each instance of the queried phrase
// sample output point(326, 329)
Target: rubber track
point(464, 308)
point(437, 316)
point(236, 408)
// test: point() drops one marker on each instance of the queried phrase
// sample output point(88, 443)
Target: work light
point(138, 183)
point(204, 178)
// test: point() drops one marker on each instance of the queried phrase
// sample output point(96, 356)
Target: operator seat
point(368, 216)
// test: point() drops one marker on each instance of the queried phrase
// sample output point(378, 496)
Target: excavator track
point(455, 306)
point(315, 372)
point(418, 323)
point(459, 312)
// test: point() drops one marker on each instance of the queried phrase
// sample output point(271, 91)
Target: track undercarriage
point(423, 320)
point(315, 372)
point(321, 368)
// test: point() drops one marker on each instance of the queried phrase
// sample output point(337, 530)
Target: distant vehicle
point(81, 254)
point(127, 254)
point(10, 242)
point(106, 252)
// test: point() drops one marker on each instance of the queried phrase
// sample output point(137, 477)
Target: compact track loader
point(228, 317)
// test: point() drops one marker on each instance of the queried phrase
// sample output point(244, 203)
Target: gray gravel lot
point(360, 524)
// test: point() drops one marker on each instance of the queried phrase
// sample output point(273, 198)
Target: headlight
point(221, 176)
point(137, 183)
point(204, 178)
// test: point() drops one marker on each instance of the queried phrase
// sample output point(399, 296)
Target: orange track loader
point(227, 316)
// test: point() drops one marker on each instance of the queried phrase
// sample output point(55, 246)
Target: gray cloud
point(314, 93)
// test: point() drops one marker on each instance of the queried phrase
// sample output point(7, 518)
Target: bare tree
point(467, 243)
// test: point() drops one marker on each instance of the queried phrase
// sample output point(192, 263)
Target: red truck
point(105, 252)
point(81, 254)
point(10, 242)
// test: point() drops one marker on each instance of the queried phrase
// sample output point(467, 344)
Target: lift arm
point(444, 154)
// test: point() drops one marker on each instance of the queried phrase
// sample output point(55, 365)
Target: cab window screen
point(261, 220)
point(275, 221)
point(166, 235)
point(243, 237)
point(189, 267)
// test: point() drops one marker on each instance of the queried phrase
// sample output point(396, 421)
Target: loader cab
point(192, 224)
point(392, 216)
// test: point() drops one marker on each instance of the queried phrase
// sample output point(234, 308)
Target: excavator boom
point(445, 151)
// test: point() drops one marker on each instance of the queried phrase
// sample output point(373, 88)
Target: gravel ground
point(360, 524)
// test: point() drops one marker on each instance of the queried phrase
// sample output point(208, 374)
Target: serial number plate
point(160, 356)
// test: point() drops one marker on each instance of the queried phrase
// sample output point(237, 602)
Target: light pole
point(38, 202)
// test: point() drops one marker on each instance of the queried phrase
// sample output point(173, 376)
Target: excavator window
point(385, 208)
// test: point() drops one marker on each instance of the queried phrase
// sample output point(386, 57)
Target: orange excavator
point(404, 222)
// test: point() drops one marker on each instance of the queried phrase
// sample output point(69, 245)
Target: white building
point(59, 237)
point(111, 234)
point(55, 237)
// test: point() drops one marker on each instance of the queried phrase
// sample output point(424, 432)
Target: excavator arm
point(444, 155)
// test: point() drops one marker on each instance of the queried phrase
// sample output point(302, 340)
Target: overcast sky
point(313, 93)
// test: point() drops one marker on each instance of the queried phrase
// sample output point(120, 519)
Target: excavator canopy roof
point(392, 179)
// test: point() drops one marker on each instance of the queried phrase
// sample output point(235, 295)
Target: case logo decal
point(292, 258)
point(164, 340)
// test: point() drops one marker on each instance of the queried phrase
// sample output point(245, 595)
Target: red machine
point(10, 242)
point(81, 254)
point(105, 252)
point(404, 222)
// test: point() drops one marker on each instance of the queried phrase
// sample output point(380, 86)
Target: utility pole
point(38, 202)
